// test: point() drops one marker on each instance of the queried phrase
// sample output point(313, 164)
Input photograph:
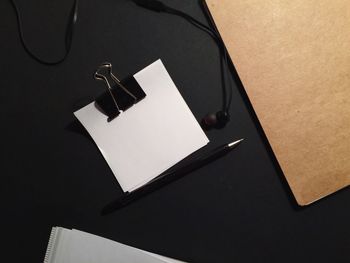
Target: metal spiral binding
point(50, 245)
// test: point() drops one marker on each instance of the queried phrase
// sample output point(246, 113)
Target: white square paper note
point(150, 137)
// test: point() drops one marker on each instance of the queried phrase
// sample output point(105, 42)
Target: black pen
point(168, 177)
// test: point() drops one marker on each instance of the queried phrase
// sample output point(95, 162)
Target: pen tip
point(234, 144)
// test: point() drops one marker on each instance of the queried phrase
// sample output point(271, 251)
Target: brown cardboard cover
point(293, 58)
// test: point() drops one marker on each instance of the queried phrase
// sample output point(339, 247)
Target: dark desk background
point(237, 209)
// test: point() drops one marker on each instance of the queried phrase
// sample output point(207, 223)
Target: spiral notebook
point(74, 246)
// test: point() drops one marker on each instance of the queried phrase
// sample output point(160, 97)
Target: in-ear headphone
point(215, 120)
point(219, 119)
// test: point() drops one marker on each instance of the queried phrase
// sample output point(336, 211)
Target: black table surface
point(237, 209)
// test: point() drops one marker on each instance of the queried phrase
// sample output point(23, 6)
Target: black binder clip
point(119, 96)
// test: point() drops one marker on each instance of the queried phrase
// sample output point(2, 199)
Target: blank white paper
point(150, 137)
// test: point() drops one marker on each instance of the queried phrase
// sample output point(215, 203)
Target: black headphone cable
point(72, 19)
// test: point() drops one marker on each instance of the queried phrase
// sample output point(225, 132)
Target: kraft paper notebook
point(293, 58)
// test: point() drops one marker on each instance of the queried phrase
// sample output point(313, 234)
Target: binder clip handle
point(118, 98)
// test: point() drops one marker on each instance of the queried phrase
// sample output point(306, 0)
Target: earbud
point(215, 120)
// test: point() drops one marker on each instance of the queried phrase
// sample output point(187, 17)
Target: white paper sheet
point(149, 137)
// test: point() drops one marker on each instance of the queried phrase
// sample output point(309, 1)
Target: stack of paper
point(74, 246)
